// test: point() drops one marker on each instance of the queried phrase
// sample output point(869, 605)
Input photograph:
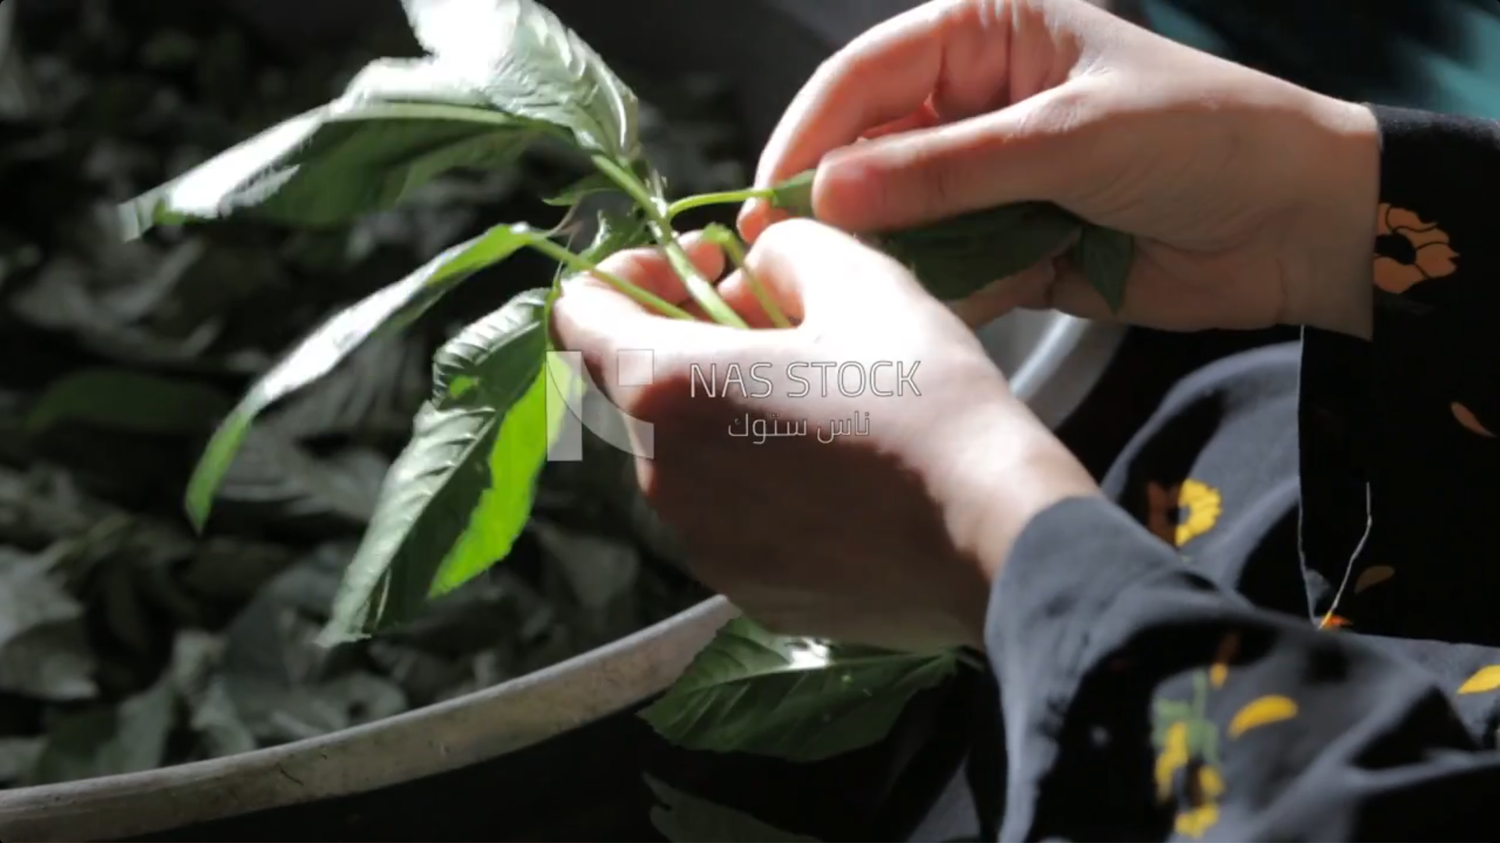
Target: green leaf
point(122, 399)
point(388, 309)
point(398, 125)
point(957, 257)
point(794, 698)
point(531, 65)
point(1105, 256)
point(586, 186)
point(457, 497)
point(683, 818)
point(795, 194)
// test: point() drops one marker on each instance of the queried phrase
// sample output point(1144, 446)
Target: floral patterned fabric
point(1282, 628)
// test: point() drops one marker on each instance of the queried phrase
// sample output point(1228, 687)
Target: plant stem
point(730, 197)
point(699, 287)
point(578, 263)
point(730, 243)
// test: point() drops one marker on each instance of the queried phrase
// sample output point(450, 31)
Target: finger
point(757, 216)
point(925, 117)
point(1074, 295)
point(815, 272)
point(626, 349)
point(884, 74)
point(1025, 289)
point(1037, 149)
point(739, 293)
point(649, 270)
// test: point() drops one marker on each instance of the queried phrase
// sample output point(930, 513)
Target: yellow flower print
point(1470, 422)
point(1182, 513)
point(1485, 679)
point(1409, 250)
point(1262, 711)
point(1204, 789)
point(1187, 760)
point(1173, 755)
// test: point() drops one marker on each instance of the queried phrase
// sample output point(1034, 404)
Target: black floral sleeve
point(1281, 627)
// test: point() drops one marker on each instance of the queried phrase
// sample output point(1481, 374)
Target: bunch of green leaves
point(500, 77)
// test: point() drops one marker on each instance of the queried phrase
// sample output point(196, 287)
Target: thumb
point(1035, 149)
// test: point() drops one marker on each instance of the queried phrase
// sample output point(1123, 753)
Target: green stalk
point(727, 241)
point(699, 287)
point(579, 264)
point(730, 197)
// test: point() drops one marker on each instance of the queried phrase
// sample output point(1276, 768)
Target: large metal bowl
point(769, 47)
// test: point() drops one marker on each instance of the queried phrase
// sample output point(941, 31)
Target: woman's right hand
point(1253, 201)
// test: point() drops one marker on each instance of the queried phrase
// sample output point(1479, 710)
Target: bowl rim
point(462, 731)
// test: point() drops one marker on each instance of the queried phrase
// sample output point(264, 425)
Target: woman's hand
point(888, 532)
point(1253, 201)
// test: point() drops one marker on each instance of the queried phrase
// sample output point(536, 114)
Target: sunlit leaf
point(529, 64)
point(389, 309)
point(794, 698)
point(457, 497)
point(684, 818)
point(399, 124)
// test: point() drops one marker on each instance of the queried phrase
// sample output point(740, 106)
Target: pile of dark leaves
point(127, 642)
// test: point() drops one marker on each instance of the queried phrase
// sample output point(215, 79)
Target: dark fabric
point(1281, 627)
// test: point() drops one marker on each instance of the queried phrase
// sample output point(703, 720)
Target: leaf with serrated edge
point(389, 309)
point(528, 63)
point(684, 818)
point(794, 698)
point(1105, 256)
point(457, 497)
point(399, 124)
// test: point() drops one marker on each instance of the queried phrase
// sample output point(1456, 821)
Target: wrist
point(1335, 227)
point(1006, 471)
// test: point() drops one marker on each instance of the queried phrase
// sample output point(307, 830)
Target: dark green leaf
point(123, 399)
point(461, 492)
point(794, 698)
point(530, 65)
point(391, 308)
point(957, 257)
point(1105, 257)
point(795, 194)
point(398, 125)
point(586, 186)
point(683, 818)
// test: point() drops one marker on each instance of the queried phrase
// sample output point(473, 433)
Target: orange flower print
point(1179, 514)
point(1470, 422)
point(1409, 251)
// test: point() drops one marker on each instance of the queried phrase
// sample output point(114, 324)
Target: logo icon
point(575, 404)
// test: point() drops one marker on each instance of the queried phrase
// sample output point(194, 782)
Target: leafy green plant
point(500, 77)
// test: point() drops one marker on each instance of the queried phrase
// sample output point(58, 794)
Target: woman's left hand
point(888, 532)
